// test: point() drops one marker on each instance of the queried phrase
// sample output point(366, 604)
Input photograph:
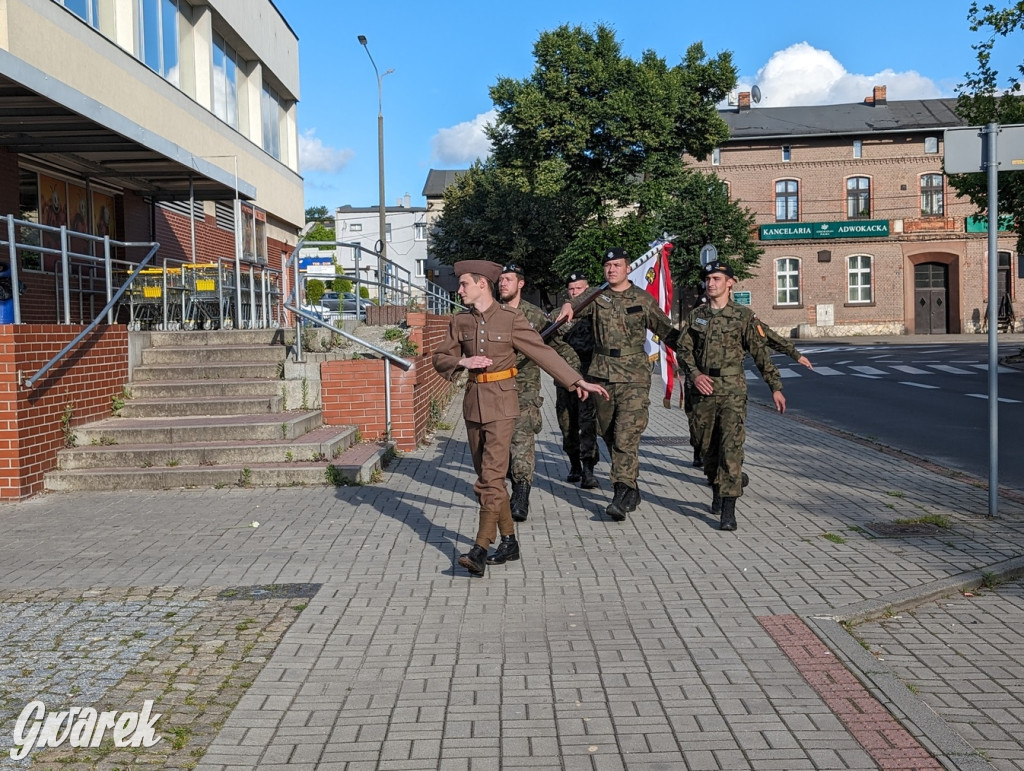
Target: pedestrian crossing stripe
point(917, 385)
point(998, 399)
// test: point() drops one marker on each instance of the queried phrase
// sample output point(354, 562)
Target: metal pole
point(12, 252)
point(992, 130)
point(382, 211)
point(387, 398)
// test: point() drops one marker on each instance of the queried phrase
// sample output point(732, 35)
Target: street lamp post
point(382, 252)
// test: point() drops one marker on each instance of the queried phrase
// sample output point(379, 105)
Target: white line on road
point(951, 370)
point(827, 371)
point(916, 385)
point(985, 397)
point(911, 370)
point(869, 371)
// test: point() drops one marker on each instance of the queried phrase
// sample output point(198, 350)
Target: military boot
point(589, 481)
point(728, 514)
point(575, 469)
point(632, 498)
point(716, 502)
point(520, 501)
point(617, 508)
point(507, 551)
point(698, 460)
point(476, 561)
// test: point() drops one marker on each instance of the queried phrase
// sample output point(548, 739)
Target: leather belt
point(716, 372)
point(618, 353)
point(493, 377)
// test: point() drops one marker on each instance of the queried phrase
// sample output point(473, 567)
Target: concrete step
point(188, 389)
point(202, 405)
point(358, 469)
point(207, 428)
point(218, 337)
point(208, 354)
point(210, 371)
point(320, 445)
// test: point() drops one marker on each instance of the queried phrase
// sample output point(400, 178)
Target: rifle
point(551, 328)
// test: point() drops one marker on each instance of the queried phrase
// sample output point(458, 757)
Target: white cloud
point(462, 144)
point(805, 75)
point(314, 155)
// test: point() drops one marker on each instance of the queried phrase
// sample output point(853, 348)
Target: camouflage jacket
point(620, 321)
point(777, 342)
point(714, 343)
point(528, 379)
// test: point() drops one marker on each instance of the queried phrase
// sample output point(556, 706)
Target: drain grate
point(904, 530)
point(666, 441)
point(269, 592)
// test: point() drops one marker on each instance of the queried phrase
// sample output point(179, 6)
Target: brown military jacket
point(499, 333)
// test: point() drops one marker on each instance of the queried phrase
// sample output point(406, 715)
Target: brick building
point(861, 232)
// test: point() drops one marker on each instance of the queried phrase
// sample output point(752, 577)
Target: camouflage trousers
point(522, 458)
point(578, 422)
point(719, 424)
point(690, 395)
point(621, 421)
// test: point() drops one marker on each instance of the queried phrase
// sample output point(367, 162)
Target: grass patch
point(926, 519)
point(833, 538)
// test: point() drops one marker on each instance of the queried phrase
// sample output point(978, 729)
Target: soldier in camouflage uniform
point(621, 316)
point(773, 340)
point(717, 337)
point(578, 421)
point(522, 458)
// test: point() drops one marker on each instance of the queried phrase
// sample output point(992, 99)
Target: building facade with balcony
point(149, 120)
point(861, 231)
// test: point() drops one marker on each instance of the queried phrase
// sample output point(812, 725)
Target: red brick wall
point(352, 390)
point(30, 418)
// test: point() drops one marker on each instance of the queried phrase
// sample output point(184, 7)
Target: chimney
point(877, 97)
point(407, 201)
point(744, 101)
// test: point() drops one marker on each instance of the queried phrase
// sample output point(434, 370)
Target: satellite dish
point(755, 94)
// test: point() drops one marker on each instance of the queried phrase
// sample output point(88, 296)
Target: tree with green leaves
point(983, 98)
point(318, 214)
point(320, 233)
point(315, 289)
point(587, 153)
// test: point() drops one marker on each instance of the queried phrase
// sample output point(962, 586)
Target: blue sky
point(446, 55)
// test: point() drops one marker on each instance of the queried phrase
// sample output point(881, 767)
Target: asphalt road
point(930, 401)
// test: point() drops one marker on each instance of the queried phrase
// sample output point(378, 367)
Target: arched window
point(931, 195)
point(787, 281)
point(787, 200)
point(858, 198)
point(858, 278)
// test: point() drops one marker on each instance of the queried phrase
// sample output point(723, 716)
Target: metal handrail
point(30, 382)
point(388, 359)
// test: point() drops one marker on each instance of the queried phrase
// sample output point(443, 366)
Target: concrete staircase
point(207, 409)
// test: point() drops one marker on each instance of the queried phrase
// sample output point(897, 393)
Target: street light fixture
point(382, 252)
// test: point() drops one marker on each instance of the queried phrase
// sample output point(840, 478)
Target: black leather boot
point(617, 508)
point(575, 469)
point(476, 561)
point(589, 481)
point(698, 461)
point(716, 502)
point(507, 551)
point(520, 501)
point(632, 498)
point(728, 514)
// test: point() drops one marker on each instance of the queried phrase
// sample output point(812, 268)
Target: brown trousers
point(489, 445)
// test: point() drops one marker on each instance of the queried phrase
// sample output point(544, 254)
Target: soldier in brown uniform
point(621, 317)
point(485, 340)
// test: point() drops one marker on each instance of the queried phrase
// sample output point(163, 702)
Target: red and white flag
point(651, 273)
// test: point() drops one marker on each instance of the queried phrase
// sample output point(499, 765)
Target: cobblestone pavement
point(867, 614)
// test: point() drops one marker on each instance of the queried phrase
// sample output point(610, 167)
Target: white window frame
point(858, 279)
point(785, 195)
point(787, 153)
point(92, 10)
point(224, 76)
point(421, 267)
point(419, 231)
point(856, 195)
point(936, 195)
point(858, 148)
point(355, 227)
point(931, 145)
point(159, 61)
point(716, 156)
point(787, 281)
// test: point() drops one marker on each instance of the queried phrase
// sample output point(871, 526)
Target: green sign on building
point(849, 229)
point(741, 298)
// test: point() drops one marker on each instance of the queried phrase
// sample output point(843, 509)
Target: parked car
point(345, 302)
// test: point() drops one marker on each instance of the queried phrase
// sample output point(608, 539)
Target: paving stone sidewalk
point(823, 634)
